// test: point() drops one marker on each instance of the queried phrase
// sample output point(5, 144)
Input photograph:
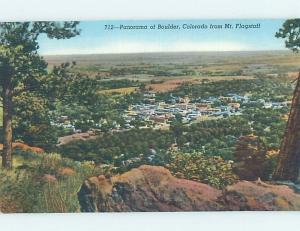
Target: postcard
point(150, 115)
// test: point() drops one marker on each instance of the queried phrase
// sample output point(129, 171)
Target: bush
point(44, 183)
point(251, 159)
point(39, 135)
point(206, 169)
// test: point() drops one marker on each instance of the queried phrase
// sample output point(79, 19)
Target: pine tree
point(289, 155)
point(21, 67)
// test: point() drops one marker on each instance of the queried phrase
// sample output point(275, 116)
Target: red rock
point(257, 195)
point(147, 188)
point(153, 188)
point(25, 147)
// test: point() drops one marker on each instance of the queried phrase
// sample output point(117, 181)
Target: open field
point(171, 84)
point(97, 60)
point(123, 90)
point(206, 61)
point(149, 66)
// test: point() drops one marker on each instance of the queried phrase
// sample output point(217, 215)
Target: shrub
point(212, 170)
point(41, 184)
point(251, 159)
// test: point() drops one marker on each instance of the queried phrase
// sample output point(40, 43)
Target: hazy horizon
point(95, 39)
point(284, 50)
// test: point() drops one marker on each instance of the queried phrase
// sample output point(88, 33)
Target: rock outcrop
point(147, 188)
point(24, 147)
point(153, 188)
point(259, 196)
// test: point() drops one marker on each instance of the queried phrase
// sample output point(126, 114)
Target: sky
point(94, 39)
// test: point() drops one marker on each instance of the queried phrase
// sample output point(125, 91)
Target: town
point(157, 114)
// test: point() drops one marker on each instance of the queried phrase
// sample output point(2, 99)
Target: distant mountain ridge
point(159, 57)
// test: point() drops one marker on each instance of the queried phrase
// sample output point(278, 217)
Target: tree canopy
point(23, 72)
point(290, 31)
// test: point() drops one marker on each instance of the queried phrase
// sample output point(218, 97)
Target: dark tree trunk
point(7, 127)
point(289, 155)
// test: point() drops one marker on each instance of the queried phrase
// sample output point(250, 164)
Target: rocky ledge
point(153, 188)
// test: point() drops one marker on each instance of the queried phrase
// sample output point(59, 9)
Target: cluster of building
point(160, 114)
point(276, 105)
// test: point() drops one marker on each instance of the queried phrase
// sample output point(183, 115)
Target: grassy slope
point(43, 183)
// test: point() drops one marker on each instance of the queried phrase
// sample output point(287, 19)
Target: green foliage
point(1, 114)
point(38, 135)
point(214, 137)
point(250, 158)
point(117, 83)
point(268, 124)
point(261, 87)
point(23, 72)
point(290, 31)
point(20, 64)
point(32, 122)
point(211, 137)
point(44, 183)
point(195, 166)
point(151, 70)
point(119, 146)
